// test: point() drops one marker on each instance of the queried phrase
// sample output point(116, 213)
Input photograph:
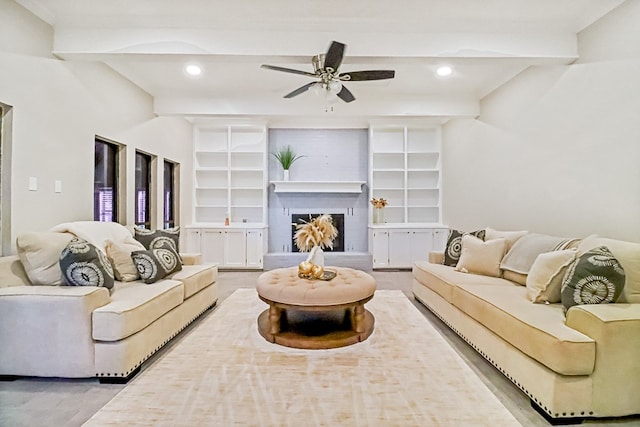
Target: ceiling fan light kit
point(326, 68)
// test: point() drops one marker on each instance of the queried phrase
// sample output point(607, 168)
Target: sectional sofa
point(574, 361)
point(49, 329)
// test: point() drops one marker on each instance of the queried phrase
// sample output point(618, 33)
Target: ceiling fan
point(326, 68)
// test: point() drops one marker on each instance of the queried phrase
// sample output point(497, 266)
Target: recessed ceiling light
point(193, 70)
point(444, 71)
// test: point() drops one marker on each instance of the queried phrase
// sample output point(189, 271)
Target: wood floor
point(62, 402)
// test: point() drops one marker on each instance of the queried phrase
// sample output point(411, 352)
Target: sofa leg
point(119, 380)
point(8, 378)
point(556, 421)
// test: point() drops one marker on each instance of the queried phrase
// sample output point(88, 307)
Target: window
point(169, 195)
point(143, 190)
point(105, 181)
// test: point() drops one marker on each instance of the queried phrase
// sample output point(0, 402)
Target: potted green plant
point(286, 157)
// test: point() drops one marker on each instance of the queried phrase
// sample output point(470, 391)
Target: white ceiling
point(487, 42)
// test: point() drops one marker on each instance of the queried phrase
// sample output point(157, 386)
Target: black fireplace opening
point(338, 222)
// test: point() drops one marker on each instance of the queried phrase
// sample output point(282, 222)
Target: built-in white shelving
point(405, 170)
point(230, 174)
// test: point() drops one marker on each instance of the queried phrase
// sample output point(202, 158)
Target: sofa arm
point(616, 330)
point(436, 257)
point(46, 331)
point(191, 258)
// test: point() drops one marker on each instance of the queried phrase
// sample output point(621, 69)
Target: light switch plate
point(57, 186)
point(33, 183)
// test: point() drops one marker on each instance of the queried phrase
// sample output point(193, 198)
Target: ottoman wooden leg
point(274, 319)
point(358, 319)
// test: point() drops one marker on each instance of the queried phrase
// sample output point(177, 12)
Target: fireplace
point(338, 222)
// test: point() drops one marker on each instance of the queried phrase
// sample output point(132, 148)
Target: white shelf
point(230, 178)
point(318, 186)
point(405, 169)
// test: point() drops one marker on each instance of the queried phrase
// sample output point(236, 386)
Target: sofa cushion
point(595, 277)
point(442, 279)
point(195, 277)
point(155, 264)
point(83, 264)
point(537, 330)
point(454, 245)
point(526, 249)
point(39, 253)
point(545, 277)
point(481, 257)
point(12, 272)
point(510, 236)
point(119, 254)
point(628, 254)
point(133, 307)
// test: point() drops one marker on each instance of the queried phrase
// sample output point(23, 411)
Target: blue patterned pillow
point(83, 264)
point(158, 238)
point(596, 277)
point(155, 264)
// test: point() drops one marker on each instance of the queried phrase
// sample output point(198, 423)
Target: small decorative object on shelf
point(378, 210)
point(312, 236)
point(286, 157)
point(226, 219)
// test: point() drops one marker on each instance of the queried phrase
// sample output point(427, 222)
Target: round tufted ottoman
point(315, 314)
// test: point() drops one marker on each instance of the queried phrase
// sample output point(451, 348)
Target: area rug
point(224, 373)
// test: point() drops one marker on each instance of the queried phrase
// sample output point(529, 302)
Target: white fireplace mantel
point(317, 186)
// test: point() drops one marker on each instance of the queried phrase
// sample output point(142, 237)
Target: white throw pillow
point(119, 254)
point(510, 236)
point(544, 281)
point(39, 253)
point(480, 257)
point(95, 232)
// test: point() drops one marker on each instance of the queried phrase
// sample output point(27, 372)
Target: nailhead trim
point(483, 354)
point(144, 359)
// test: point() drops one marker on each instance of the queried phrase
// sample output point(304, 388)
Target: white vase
point(378, 215)
point(286, 175)
point(316, 256)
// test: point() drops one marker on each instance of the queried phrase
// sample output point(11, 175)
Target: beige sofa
point(88, 331)
point(581, 364)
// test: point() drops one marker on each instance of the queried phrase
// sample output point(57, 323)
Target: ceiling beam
point(69, 41)
point(309, 105)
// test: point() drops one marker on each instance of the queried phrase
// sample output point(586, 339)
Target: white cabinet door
point(380, 248)
point(399, 248)
point(234, 248)
point(254, 248)
point(212, 246)
point(421, 245)
point(440, 236)
point(192, 243)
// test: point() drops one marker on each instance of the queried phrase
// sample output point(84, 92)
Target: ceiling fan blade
point(334, 55)
point(287, 70)
point(356, 76)
point(300, 90)
point(346, 95)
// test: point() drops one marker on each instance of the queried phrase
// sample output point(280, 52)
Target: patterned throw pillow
point(155, 264)
point(158, 238)
point(596, 277)
point(454, 245)
point(83, 264)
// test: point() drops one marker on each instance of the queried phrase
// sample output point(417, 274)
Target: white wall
point(58, 109)
point(556, 150)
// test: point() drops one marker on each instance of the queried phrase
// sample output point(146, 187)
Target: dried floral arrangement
point(318, 231)
point(379, 203)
